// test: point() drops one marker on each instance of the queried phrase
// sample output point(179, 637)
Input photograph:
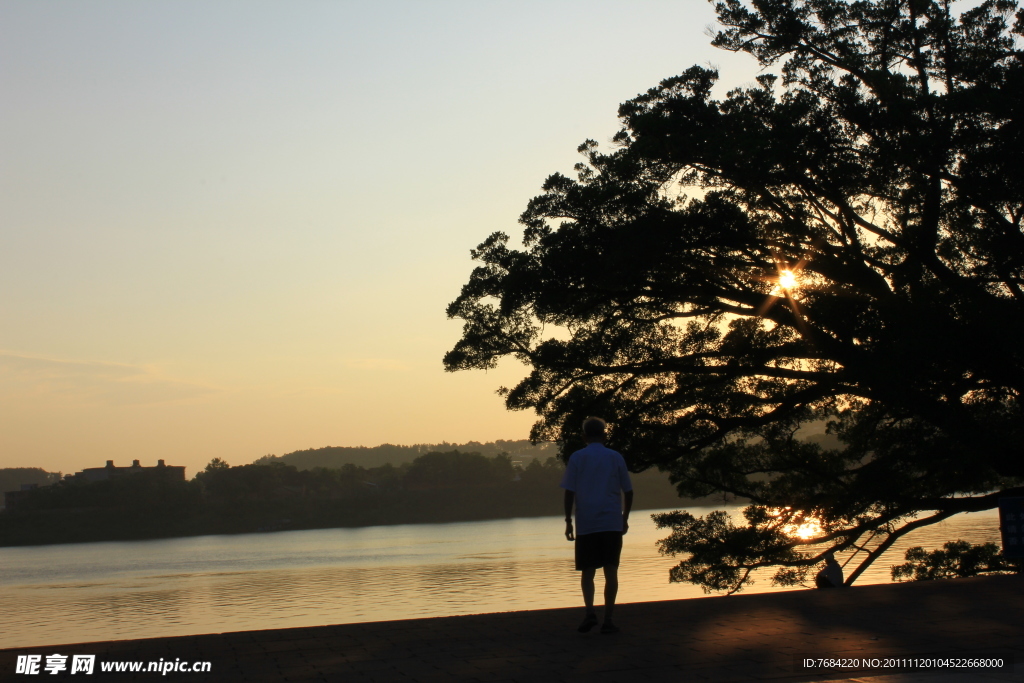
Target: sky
point(229, 229)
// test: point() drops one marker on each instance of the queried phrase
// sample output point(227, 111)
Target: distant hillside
point(653, 489)
point(335, 457)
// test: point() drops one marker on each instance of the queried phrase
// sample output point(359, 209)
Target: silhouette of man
point(831, 576)
point(594, 480)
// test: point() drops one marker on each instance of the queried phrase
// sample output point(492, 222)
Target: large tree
point(840, 243)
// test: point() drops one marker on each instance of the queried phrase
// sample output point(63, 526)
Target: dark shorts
point(598, 550)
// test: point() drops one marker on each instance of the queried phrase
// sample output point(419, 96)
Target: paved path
point(739, 638)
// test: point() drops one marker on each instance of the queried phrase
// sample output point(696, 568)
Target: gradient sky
point(231, 228)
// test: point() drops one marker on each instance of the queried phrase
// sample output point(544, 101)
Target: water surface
point(85, 592)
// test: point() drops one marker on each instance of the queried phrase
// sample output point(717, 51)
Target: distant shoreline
point(435, 487)
point(158, 537)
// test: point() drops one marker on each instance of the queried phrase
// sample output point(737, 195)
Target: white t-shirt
point(597, 475)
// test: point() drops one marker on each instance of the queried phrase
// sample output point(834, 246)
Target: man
point(593, 479)
point(831, 576)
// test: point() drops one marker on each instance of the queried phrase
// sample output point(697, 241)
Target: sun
point(809, 529)
point(785, 285)
point(787, 279)
point(804, 527)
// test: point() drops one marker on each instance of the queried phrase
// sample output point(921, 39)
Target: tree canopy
point(840, 242)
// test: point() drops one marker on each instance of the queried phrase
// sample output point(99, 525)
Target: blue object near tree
point(1011, 524)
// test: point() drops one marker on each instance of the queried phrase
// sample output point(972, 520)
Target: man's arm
point(625, 511)
point(570, 498)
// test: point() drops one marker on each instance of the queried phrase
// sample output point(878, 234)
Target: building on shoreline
point(175, 472)
point(90, 474)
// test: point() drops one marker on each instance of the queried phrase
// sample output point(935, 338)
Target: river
point(74, 593)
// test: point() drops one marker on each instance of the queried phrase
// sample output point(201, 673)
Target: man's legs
point(601, 549)
point(587, 584)
point(611, 589)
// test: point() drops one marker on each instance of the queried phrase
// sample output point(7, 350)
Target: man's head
point(594, 429)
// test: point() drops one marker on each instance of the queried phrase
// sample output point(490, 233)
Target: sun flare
point(787, 279)
point(809, 529)
point(802, 527)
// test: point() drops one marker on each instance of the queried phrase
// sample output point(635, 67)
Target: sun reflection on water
point(796, 524)
point(807, 530)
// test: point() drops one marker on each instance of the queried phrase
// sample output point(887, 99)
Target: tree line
point(375, 456)
point(13, 478)
point(264, 496)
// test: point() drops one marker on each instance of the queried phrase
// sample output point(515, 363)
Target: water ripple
point(108, 591)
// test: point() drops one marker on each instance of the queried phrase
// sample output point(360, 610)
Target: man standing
point(595, 479)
